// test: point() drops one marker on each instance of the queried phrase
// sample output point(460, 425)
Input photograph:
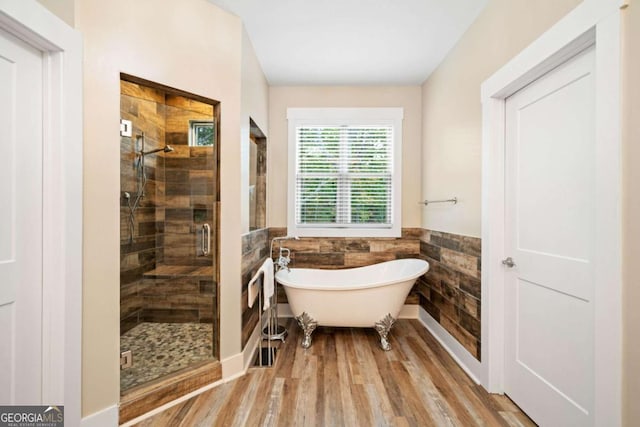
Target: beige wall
point(452, 141)
point(255, 105)
point(452, 116)
point(195, 47)
point(282, 97)
point(451, 148)
point(631, 213)
point(64, 9)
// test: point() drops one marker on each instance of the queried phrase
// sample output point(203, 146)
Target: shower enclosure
point(168, 232)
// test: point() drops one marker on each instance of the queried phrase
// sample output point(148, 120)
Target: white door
point(20, 222)
point(550, 171)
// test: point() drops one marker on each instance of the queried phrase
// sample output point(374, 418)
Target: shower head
point(166, 149)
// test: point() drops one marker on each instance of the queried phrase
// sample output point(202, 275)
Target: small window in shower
point(201, 133)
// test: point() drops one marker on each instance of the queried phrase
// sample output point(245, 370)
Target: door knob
point(508, 262)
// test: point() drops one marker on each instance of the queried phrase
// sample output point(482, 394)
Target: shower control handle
point(206, 239)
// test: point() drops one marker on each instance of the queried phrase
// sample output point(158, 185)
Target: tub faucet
point(284, 259)
point(284, 256)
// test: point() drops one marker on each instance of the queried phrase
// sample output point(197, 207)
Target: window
point(344, 171)
point(201, 133)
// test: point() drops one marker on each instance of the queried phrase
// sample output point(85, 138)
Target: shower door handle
point(206, 239)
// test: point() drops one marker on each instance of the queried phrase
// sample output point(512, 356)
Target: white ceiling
point(352, 42)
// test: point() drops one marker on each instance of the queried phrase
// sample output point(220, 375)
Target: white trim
point(608, 232)
point(409, 311)
point(233, 366)
point(592, 21)
point(320, 115)
point(237, 365)
point(284, 311)
point(463, 358)
point(107, 417)
point(353, 116)
point(249, 352)
point(492, 302)
point(62, 197)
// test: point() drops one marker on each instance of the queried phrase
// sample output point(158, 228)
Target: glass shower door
point(172, 252)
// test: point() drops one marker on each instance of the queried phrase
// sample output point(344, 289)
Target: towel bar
point(454, 201)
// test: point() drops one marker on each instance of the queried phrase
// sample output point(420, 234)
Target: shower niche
point(257, 177)
point(169, 205)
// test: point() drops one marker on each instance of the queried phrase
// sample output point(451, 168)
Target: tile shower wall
point(178, 294)
point(141, 251)
point(450, 291)
point(181, 288)
point(255, 249)
point(163, 278)
point(189, 188)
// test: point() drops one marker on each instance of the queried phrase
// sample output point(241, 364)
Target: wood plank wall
point(145, 108)
point(180, 196)
point(347, 252)
point(258, 178)
point(255, 249)
point(190, 184)
point(450, 291)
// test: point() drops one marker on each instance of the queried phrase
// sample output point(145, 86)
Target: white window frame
point(193, 132)
point(351, 117)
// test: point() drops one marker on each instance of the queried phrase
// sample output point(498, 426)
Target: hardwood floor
point(345, 379)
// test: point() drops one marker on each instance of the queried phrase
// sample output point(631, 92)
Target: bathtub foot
point(308, 325)
point(384, 327)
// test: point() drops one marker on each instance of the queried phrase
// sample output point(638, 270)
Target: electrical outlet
point(126, 359)
point(126, 128)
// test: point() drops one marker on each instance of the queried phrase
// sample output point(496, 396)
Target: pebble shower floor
point(162, 348)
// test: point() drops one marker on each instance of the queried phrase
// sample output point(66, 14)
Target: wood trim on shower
point(144, 398)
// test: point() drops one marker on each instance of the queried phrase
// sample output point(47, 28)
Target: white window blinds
point(344, 172)
point(344, 176)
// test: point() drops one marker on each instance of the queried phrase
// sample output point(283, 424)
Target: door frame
point(592, 22)
point(61, 47)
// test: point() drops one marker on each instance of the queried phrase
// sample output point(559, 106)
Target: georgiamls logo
point(31, 416)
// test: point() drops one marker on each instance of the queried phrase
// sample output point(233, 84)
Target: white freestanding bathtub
point(370, 296)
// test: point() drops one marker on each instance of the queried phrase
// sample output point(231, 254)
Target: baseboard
point(408, 311)
point(233, 367)
point(237, 365)
point(107, 417)
point(284, 311)
point(467, 362)
point(249, 352)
